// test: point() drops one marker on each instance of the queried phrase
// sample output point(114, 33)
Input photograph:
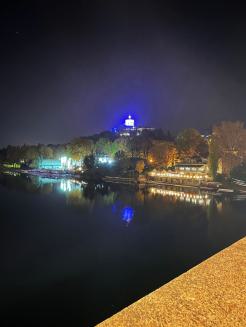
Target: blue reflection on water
point(114, 208)
point(127, 214)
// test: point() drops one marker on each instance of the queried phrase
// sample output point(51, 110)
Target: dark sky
point(71, 68)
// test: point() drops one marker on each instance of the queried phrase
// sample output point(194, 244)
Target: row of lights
point(188, 197)
point(178, 175)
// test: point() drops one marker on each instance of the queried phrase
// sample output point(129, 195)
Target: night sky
point(75, 68)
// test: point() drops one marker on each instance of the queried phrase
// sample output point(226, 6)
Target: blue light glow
point(127, 214)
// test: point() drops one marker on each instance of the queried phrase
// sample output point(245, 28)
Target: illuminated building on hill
point(129, 128)
point(129, 122)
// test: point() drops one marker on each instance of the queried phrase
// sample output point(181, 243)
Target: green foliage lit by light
point(12, 165)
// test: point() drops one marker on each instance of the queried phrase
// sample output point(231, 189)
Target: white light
point(66, 163)
point(63, 160)
point(129, 122)
point(69, 163)
point(102, 160)
point(105, 160)
point(66, 186)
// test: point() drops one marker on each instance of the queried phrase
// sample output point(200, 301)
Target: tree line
point(155, 146)
point(224, 149)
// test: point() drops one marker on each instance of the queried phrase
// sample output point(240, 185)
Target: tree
point(158, 134)
point(122, 144)
point(87, 146)
point(45, 152)
point(3, 154)
point(139, 166)
point(80, 148)
point(134, 146)
point(171, 156)
point(111, 148)
point(230, 141)
point(23, 152)
point(213, 158)
point(101, 145)
point(188, 142)
point(145, 143)
point(89, 161)
point(169, 137)
point(31, 153)
point(202, 149)
point(239, 172)
point(119, 155)
point(60, 150)
point(163, 153)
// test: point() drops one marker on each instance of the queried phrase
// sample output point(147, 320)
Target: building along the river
point(64, 163)
point(50, 164)
point(191, 174)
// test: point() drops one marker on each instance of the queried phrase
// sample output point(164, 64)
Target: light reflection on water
point(79, 194)
point(196, 198)
point(125, 208)
point(67, 185)
point(127, 214)
point(90, 256)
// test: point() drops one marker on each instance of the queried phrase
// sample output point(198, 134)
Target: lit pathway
point(211, 294)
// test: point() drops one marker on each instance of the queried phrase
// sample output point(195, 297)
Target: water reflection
point(90, 255)
point(67, 185)
point(196, 198)
point(125, 202)
point(127, 214)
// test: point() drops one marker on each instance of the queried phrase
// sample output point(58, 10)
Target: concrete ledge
point(211, 294)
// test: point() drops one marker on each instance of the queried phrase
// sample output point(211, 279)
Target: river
point(75, 254)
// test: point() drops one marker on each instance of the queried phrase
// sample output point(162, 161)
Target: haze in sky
point(75, 68)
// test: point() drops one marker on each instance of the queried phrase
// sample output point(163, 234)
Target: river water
point(75, 254)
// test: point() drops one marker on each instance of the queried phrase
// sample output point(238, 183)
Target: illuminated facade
point(64, 163)
point(129, 122)
point(50, 164)
point(129, 128)
point(192, 168)
point(194, 173)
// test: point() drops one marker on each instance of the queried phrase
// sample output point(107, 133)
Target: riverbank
point(51, 174)
point(211, 294)
point(215, 189)
point(42, 172)
point(234, 186)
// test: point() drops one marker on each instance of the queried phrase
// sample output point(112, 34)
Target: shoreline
point(222, 189)
point(148, 183)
